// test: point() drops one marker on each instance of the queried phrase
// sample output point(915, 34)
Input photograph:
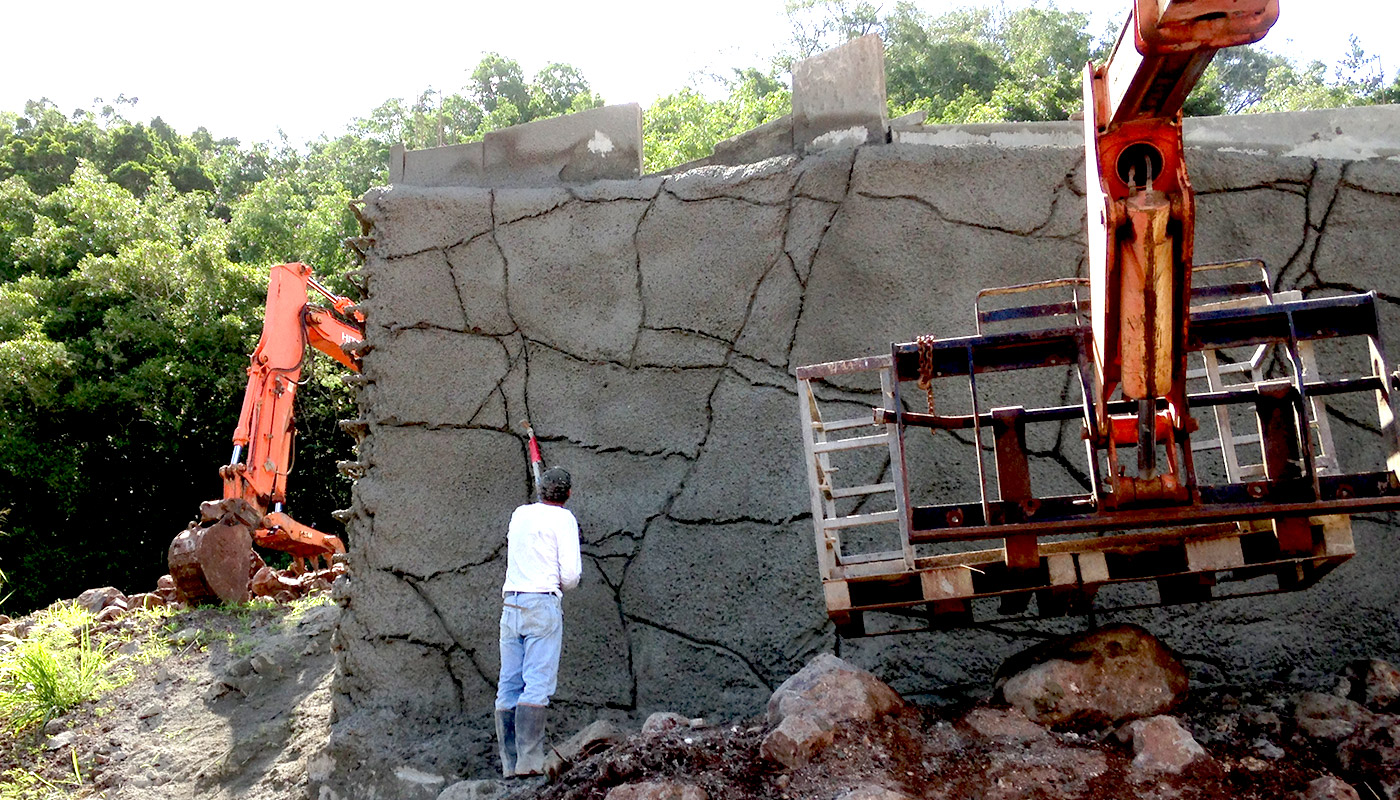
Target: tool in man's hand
point(536, 460)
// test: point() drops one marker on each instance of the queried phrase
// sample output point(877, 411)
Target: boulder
point(1160, 744)
point(1329, 717)
point(832, 688)
point(1096, 679)
point(110, 614)
point(797, 739)
point(1373, 683)
point(595, 738)
point(1330, 788)
point(94, 600)
point(657, 790)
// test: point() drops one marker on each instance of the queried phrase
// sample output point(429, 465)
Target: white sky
point(250, 67)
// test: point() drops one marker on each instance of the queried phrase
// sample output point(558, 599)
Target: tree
point(685, 126)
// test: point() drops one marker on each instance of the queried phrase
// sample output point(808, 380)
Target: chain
point(925, 345)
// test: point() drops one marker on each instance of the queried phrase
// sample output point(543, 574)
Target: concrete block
point(587, 146)
point(772, 138)
point(453, 165)
point(838, 97)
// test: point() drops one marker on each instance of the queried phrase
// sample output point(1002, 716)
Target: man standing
point(542, 560)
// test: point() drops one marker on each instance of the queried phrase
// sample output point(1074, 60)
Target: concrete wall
point(649, 329)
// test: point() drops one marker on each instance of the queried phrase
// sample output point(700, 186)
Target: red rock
point(94, 600)
point(657, 790)
point(797, 739)
point(1374, 684)
point(1330, 788)
point(1160, 744)
point(1099, 678)
point(146, 600)
point(1329, 717)
point(834, 689)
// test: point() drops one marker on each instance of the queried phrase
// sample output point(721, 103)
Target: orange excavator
point(213, 559)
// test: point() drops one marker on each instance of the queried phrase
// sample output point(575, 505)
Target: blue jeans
point(531, 635)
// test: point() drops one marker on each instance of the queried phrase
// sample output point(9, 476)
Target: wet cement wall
point(650, 328)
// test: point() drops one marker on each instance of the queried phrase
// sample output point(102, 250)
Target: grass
point(52, 671)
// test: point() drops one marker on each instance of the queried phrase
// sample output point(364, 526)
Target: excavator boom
point(211, 559)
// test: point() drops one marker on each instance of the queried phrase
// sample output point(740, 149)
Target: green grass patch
point(46, 675)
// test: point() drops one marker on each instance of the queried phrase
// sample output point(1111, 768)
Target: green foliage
point(46, 674)
point(685, 126)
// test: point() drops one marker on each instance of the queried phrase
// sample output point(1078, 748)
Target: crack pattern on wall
point(649, 330)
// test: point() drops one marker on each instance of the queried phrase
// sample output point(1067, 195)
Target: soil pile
point(235, 703)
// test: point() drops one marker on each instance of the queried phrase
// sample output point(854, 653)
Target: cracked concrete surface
point(649, 330)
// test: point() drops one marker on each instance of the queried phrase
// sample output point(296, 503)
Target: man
point(542, 560)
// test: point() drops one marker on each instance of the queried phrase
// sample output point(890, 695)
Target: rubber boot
point(505, 739)
point(529, 739)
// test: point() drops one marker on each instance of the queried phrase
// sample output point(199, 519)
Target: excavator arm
point(211, 560)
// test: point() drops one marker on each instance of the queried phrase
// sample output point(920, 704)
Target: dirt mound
point(222, 703)
point(236, 703)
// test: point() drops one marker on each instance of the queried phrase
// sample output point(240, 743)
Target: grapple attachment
point(211, 560)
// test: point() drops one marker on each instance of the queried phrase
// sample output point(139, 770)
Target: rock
point(873, 792)
point(1374, 684)
point(61, 740)
point(268, 582)
point(1328, 717)
point(834, 689)
point(1095, 679)
point(186, 636)
point(1004, 726)
point(1373, 751)
point(94, 600)
point(148, 711)
point(1330, 788)
point(55, 726)
point(664, 721)
point(797, 739)
point(657, 790)
point(146, 600)
point(265, 665)
point(165, 583)
point(1160, 744)
point(475, 790)
point(110, 614)
point(238, 667)
point(319, 620)
point(595, 738)
point(5, 619)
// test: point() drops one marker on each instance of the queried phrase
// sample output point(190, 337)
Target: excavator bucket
point(210, 560)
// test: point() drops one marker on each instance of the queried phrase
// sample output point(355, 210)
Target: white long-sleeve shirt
point(542, 550)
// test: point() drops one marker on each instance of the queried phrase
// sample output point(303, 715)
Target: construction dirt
point(237, 704)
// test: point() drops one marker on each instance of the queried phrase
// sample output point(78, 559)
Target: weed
point(41, 679)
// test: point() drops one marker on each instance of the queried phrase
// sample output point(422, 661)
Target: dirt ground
point(239, 706)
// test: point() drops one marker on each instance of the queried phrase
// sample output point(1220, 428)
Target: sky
point(258, 69)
